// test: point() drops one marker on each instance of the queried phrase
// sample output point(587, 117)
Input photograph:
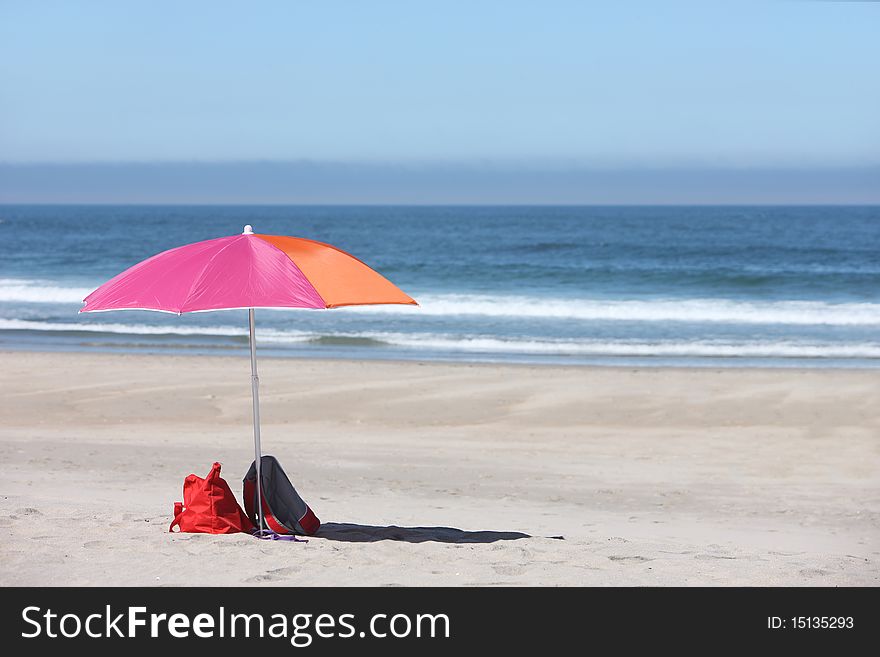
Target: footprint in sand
point(617, 539)
point(705, 557)
point(274, 575)
point(29, 511)
point(814, 572)
point(508, 570)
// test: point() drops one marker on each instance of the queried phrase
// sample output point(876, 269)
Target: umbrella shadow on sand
point(352, 533)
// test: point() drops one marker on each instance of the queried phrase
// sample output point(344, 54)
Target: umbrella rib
point(202, 272)
point(295, 266)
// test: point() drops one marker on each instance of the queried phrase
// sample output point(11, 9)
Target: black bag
point(284, 510)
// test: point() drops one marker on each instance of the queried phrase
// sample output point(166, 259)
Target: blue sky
point(611, 86)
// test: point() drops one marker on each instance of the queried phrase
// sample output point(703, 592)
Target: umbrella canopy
point(246, 271)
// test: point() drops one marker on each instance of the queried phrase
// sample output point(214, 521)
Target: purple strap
point(269, 535)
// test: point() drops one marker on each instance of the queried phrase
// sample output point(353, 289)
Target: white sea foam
point(752, 349)
point(40, 291)
point(125, 329)
point(654, 310)
point(490, 345)
point(708, 310)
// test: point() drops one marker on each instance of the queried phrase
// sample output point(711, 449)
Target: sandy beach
point(443, 474)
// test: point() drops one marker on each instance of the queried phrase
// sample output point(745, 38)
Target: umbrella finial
point(248, 230)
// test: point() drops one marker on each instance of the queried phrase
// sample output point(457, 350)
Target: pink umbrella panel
point(246, 271)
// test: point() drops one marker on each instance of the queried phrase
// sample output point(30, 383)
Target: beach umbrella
point(247, 272)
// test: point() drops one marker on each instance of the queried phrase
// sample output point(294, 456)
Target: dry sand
point(443, 474)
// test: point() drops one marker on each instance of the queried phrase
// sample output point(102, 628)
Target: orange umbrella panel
point(340, 278)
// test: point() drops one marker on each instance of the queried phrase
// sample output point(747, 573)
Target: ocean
point(634, 286)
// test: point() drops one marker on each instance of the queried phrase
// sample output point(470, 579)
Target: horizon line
point(441, 205)
point(504, 164)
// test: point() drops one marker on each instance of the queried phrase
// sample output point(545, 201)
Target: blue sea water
point(691, 286)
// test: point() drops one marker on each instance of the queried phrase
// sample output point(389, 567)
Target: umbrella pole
point(255, 392)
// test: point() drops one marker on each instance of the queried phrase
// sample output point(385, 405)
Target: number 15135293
point(810, 623)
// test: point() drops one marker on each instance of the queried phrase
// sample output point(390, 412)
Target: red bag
point(209, 507)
